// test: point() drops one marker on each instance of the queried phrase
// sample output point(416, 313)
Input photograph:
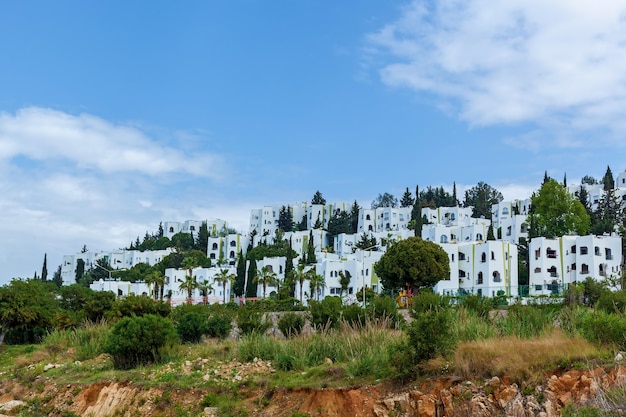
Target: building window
point(583, 250)
point(232, 253)
point(608, 254)
point(584, 268)
point(483, 257)
point(214, 246)
point(443, 239)
point(597, 251)
point(496, 277)
point(551, 253)
point(493, 256)
point(461, 273)
point(573, 249)
point(480, 278)
point(233, 243)
point(461, 256)
point(171, 230)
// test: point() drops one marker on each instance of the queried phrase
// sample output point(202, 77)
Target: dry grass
point(522, 359)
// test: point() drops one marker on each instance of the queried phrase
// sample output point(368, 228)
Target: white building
point(227, 248)
point(193, 226)
point(556, 263)
point(384, 219)
point(506, 210)
point(486, 268)
point(118, 259)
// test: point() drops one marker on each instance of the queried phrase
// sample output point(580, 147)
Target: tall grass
point(522, 359)
point(363, 349)
point(87, 341)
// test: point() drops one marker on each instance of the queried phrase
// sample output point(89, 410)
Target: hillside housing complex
point(477, 265)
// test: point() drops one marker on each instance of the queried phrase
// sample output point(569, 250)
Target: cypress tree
point(490, 235)
point(44, 268)
point(239, 285)
point(251, 284)
point(416, 213)
point(310, 250)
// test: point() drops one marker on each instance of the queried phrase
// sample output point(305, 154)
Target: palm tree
point(223, 277)
point(316, 282)
point(190, 283)
point(301, 275)
point(266, 276)
point(205, 289)
point(157, 280)
point(344, 281)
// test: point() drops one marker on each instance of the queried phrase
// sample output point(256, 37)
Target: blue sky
point(117, 115)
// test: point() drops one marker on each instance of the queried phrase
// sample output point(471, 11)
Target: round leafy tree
point(413, 263)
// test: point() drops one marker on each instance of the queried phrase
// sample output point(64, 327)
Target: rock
point(328, 361)
point(10, 405)
point(211, 412)
point(619, 357)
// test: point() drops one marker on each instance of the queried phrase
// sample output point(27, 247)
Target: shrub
point(385, 308)
point(476, 303)
point(140, 340)
point(354, 315)
point(430, 334)
point(250, 320)
point(326, 312)
point(134, 305)
point(291, 324)
point(604, 328)
point(428, 300)
point(191, 327)
point(612, 302)
point(219, 325)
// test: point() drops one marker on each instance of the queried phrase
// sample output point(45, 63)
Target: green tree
point(57, 278)
point(413, 263)
point(26, 305)
point(300, 275)
point(588, 179)
point(344, 282)
point(265, 276)
point(416, 214)
point(407, 199)
point(205, 288)
point(490, 234)
point(318, 199)
point(44, 268)
point(183, 241)
point(80, 270)
point(202, 240)
point(481, 197)
point(239, 285)
point(366, 242)
point(608, 181)
point(251, 285)
point(354, 217)
point(316, 283)
point(285, 219)
point(310, 250)
point(385, 200)
point(339, 223)
point(555, 212)
point(190, 282)
point(223, 277)
point(156, 280)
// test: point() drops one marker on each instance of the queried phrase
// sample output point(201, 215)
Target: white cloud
point(558, 63)
point(94, 143)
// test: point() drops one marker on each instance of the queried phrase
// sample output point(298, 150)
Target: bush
point(612, 302)
point(325, 313)
point(140, 340)
point(476, 303)
point(191, 327)
point(291, 324)
point(430, 334)
point(354, 315)
point(427, 300)
point(134, 305)
point(219, 325)
point(604, 328)
point(250, 320)
point(385, 308)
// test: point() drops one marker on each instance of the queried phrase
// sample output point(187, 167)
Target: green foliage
point(325, 313)
point(251, 284)
point(476, 303)
point(285, 219)
point(428, 300)
point(413, 262)
point(219, 325)
point(183, 241)
point(384, 308)
point(191, 327)
point(555, 212)
point(435, 197)
point(354, 315)
point(291, 324)
point(430, 335)
point(250, 320)
point(318, 199)
point(481, 197)
point(27, 308)
point(134, 305)
point(604, 328)
point(407, 199)
point(140, 340)
point(369, 293)
point(612, 302)
point(385, 200)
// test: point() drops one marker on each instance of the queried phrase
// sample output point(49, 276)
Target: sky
point(116, 115)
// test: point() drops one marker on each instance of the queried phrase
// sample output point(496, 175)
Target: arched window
point(232, 253)
point(479, 236)
point(505, 211)
point(171, 229)
point(233, 243)
point(368, 217)
point(214, 246)
point(443, 239)
point(483, 257)
point(496, 277)
point(493, 256)
point(480, 278)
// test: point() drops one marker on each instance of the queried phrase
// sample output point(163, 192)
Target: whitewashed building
point(556, 263)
